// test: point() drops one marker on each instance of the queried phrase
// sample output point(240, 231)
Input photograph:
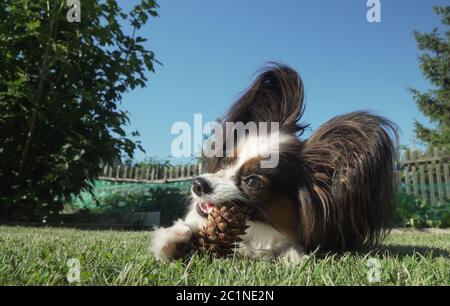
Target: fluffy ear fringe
point(275, 96)
point(349, 162)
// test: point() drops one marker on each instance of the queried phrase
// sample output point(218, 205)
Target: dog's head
point(262, 167)
point(335, 189)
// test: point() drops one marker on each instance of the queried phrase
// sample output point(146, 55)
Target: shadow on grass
point(78, 226)
point(393, 250)
point(402, 251)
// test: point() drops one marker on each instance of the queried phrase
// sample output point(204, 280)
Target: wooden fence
point(156, 174)
point(426, 175)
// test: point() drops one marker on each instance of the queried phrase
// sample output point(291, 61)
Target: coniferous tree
point(435, 65)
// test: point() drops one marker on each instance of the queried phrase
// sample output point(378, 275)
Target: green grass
point(38, 256)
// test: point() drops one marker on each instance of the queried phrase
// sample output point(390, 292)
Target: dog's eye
point(253, 181)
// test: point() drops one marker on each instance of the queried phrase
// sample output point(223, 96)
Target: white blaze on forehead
point(253, 146)
point(223, 183)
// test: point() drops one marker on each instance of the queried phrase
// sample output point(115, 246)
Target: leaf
point(84, 276)
point(33, 25)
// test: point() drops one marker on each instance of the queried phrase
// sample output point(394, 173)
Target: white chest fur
point(262, 240)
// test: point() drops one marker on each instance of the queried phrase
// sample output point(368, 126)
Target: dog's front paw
point(167, 242)
point(294, 255)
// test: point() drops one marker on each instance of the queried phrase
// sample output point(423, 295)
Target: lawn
point(38, 256)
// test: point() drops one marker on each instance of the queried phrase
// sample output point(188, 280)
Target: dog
point(334, 191)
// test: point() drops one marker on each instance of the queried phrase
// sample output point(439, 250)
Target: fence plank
point(136, 173)
point(105, 171)
point(447, 179)
point(439, 183)
point(118, 172)
point(407, 182)
point(414, 177)
point(147, 173)
point(431, 183)
point(422, 182)
point(152, 175)
point(125, 171)
point(110, 171)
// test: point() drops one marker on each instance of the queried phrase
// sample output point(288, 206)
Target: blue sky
point(212, 49)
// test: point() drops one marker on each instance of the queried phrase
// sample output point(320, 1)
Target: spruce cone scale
point(221, 233)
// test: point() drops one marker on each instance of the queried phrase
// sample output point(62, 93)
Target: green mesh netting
point(104, 191)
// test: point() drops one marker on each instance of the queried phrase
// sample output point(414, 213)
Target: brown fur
point(338, 183)
point(278, 209)
point(350, 164)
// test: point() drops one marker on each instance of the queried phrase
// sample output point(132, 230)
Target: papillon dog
point(333, 191)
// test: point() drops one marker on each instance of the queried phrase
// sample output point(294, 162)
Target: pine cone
point(221, 233)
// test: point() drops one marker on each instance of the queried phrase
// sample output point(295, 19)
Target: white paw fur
point(293, 255)
point(165, 240)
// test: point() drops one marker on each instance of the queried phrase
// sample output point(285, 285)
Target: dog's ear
point(275, 96)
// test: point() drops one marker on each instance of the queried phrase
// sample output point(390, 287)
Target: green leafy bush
point(416, 212)
point(61, 85)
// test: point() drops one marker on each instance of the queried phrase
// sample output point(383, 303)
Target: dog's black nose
point(200, 186)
